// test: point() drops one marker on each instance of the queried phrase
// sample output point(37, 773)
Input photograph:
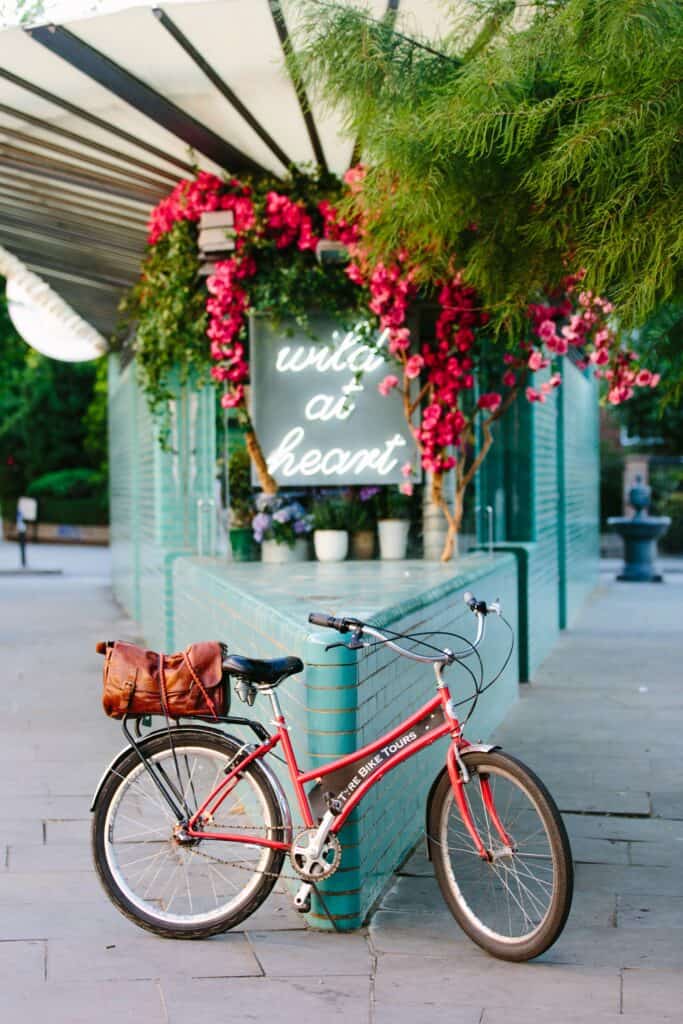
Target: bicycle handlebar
point(344, 625)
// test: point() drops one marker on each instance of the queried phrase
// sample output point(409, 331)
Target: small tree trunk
point(257, 457)
point(453, 518)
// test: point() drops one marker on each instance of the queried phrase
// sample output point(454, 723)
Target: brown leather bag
point(140, 682)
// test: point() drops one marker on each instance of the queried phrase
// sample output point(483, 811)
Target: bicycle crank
point(309, 864)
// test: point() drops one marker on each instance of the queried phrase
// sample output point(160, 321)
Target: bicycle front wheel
point(515, 903)
point(167, 884)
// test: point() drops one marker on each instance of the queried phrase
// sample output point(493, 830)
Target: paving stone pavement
point(601, 725)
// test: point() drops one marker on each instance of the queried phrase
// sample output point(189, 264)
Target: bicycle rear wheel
point(182, 889)
point(515, 904)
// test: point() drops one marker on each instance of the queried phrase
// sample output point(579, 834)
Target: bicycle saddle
point(270, 673)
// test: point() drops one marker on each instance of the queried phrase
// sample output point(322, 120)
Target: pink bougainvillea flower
point(546, 330)
point(233, 398)
point(644, 378)
point(549, 385)
point(354, 177)
point(491, 400)
point(406, 488)
point(537, 361)
point(599, 356)
point(413, 367)
point(354, 273)
point(532, 395)
point(388, 384)
point(655, 379)
point(407, 469)
point(509, 379)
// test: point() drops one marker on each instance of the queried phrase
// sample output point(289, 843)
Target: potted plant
point(361, 523)
point(393, 521)
point(330, 533)
point(241, 506)
point(281, 526)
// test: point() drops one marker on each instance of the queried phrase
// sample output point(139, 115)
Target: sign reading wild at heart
point(317, 411)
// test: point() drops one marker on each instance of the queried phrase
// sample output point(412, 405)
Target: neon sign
point(316, 408)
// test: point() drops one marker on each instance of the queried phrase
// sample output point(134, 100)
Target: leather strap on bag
point(209, 702)
point(162, 686)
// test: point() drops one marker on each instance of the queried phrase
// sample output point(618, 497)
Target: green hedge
point(65, 511)
point(672, 541)
point(73, 511)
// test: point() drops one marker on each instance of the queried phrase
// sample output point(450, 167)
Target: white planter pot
point(331, 545)
point(277, 554)
point(393, 538)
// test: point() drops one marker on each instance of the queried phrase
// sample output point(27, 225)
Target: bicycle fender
point(271, 777)
point(483, 748)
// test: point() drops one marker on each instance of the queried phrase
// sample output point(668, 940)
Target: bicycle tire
point(252, 796)
point(529, 887)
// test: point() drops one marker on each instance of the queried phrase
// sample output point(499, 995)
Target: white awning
point(99, 117)
point(43, 319)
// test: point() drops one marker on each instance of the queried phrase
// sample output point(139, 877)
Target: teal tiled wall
point(542, 478)
point(579, 442)
point(154, 494)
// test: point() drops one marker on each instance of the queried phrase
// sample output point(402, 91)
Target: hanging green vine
point(167, 310)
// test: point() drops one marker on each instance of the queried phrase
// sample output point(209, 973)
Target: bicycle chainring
point(308, 867)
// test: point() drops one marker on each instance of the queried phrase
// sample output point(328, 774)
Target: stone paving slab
point(67, 830)
point(28, 858)
point(109, 1002)
point(24, 961)
point(618, 947)
point(639, 911)
point(651, 993)
point(641, 830)
point(403, 980)
point(631, 880)
point(138, 956)
point(308, 999)
point(60, 888)
point(289, 954)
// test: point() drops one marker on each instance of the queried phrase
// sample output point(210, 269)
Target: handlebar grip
point(328, 622)
point(473, 604)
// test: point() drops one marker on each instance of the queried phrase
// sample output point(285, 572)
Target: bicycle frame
point(375, 760)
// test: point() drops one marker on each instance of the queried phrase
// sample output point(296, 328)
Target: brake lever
point(356, 643)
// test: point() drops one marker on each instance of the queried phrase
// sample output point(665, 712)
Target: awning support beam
point(222, 86)
point(132, 90)
point(82, 140)
point(98, 122)
point(301, 95)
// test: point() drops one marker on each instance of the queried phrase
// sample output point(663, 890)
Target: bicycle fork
point(459, 776)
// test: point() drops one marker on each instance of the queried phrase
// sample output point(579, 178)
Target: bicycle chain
point(254, 871)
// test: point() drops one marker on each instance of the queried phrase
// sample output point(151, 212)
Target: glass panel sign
point(318, 423)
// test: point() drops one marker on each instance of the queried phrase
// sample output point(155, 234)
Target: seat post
point(274, 703)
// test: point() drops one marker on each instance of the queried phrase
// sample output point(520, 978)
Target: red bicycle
point(192, 827)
